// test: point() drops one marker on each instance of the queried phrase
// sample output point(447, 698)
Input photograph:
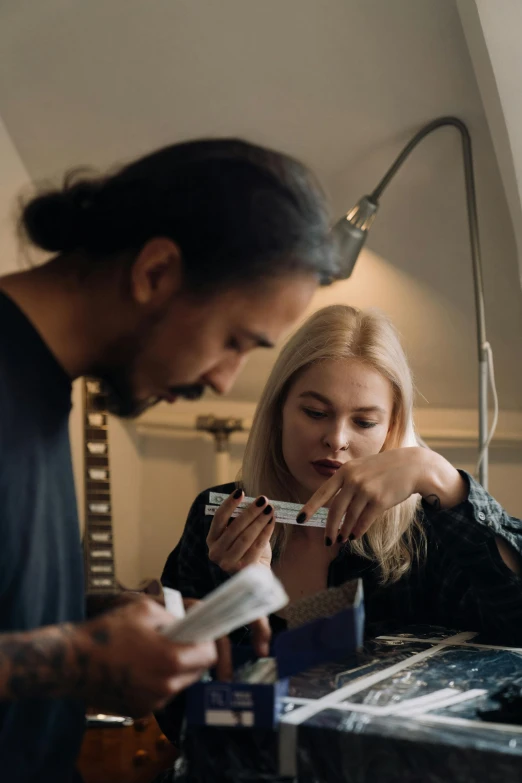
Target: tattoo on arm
point(101, 636)
point(50, 662)
point(433, 501)
point(35, 664)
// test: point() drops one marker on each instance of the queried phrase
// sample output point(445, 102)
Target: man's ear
point(157, 273)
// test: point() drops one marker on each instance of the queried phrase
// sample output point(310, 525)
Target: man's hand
point(119, 662)
point(130, 666)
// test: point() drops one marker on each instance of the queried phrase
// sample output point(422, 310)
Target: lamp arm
point(471, 208)
point(478, 282)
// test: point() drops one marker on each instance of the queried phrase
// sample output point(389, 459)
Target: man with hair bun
point(164, 276)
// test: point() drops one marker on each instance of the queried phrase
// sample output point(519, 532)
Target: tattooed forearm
point(36, 663)
point(434, 501)
point(101, 636)
point(49, 662)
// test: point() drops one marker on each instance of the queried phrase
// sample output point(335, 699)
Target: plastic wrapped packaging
point(451, 743)
point(407, 708)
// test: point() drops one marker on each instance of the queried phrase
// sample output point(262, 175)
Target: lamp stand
point(478, 283)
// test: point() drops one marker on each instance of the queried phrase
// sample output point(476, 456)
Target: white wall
point(492, 29)
point(177, 464)
point(14, 178)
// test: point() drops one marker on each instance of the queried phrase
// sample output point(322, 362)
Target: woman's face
point(335, 411)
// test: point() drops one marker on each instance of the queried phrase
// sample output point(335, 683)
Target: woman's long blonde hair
point(336, 333)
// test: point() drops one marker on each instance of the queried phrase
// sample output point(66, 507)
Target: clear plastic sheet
point(376, 656)
point(460, 667)
point(346, 746)
point(354, 747)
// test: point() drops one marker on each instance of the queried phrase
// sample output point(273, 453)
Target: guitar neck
point(100, 575)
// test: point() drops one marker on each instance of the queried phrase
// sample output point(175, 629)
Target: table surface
point(357, 720)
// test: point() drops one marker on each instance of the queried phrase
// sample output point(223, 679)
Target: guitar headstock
point(98, 541)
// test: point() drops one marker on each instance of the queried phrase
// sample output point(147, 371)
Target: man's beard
point(116, 386)
point(118, 396)
point(116, 377)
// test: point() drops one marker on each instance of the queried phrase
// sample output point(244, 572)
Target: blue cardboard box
point(259, 705)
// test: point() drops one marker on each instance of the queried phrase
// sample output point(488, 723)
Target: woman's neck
point(311, 534)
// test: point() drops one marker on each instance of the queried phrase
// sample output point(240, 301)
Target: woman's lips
point(326, 467)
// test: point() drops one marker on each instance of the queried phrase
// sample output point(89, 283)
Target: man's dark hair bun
point(56, 221)
point(237, 212)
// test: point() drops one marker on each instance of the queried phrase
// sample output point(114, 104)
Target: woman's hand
point(234, 543)
point(363, 489)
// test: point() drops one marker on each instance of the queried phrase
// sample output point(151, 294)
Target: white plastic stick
point(285, 512)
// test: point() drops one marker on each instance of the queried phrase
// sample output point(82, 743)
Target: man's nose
point(222, 377)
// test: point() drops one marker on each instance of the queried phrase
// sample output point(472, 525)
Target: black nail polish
point(328, 541)
point(237, 494)
point(340, 539)
point(268, 510)
point(260, 502)
point(301, 518)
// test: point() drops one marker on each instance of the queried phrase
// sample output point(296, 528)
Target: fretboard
point(98, 540)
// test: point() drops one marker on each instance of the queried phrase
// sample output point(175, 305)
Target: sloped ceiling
point(493, 37)
point(341, 84)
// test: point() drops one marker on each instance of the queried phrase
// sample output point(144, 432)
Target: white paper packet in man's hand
point(174, 602)
point(252, 593)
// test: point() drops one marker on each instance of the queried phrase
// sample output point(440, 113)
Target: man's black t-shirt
point(41, 567)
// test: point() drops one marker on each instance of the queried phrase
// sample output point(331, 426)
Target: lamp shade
point(350, 234)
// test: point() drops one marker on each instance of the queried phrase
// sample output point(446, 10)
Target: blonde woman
point(334, 427)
